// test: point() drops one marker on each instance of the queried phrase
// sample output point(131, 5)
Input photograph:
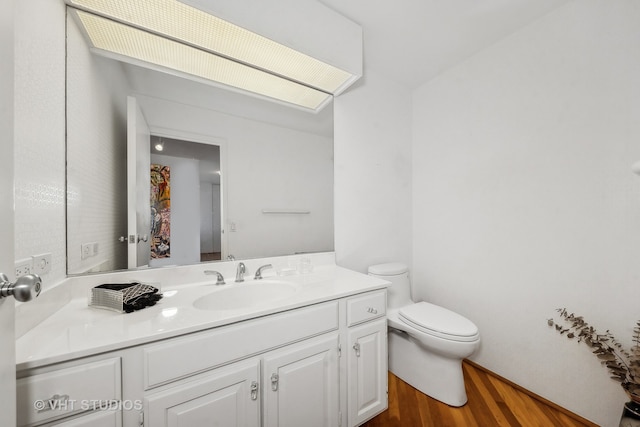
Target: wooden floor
point(210, 256)
point(491, 402)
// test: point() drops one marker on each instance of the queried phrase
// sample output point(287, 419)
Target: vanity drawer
point(62, 392)
point(184, 356)
point(366, 307)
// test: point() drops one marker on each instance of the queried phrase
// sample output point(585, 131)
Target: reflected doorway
point(186, 225)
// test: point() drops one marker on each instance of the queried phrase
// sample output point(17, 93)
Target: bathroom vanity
point(315, 355)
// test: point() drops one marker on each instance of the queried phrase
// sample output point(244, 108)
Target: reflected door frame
point(210, 140)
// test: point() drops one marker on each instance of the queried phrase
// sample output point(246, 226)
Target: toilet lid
point(438, 321)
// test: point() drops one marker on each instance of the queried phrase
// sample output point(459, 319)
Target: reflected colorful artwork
point(160, 211)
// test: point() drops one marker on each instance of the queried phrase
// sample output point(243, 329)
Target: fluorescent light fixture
point(170, 34)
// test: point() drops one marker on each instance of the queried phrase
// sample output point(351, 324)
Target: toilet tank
point(399, 293)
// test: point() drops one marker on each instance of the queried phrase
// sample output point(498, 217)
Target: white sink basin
point(240, 295)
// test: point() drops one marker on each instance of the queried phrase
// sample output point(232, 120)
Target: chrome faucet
point(240, 272)
point(258, 275)
point(219, 280)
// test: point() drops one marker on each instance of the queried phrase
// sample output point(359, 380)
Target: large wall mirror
point(238, 176)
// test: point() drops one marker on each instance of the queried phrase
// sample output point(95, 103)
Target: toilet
point(427, 343)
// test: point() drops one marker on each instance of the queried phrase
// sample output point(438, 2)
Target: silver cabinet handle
point(372, 310)
point(274, 382)
point(356, 347)
point(26, 288)
point(143, 238)
point(57, 401)
point(254, 390)
point(123, 239)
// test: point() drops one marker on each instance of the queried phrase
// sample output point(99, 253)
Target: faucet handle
point(258, 275)
point(219, 279)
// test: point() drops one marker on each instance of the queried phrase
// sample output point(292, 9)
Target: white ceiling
point(412, 41)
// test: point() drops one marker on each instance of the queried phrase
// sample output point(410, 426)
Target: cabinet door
point(367, 360)
point(301, 384)
point(223, 397)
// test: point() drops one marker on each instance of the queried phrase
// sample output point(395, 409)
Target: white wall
point(40, 133)
point(372, 138)
point(216, 217)
point(524, 200)
point(7, 314)
point(207, 242)
point(264, 171)
point(96, 156)
point(210, 217)
point(184, 178)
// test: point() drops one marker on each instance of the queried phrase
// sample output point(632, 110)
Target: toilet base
point(434, 375)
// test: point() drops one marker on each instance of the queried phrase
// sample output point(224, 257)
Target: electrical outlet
point(24, 266)
point(87, 250)
point(41, 263)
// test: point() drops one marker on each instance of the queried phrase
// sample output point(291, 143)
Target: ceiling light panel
point(187, 24)
point(114, 37)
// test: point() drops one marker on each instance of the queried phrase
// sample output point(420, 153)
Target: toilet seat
point(438, 321)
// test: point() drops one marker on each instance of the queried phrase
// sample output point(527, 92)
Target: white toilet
point(426, 342)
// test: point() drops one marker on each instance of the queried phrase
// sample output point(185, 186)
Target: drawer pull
point(274, 382)
point(57, 401)
point(372, 310)
point(254, 390)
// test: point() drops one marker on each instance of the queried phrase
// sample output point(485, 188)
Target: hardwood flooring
point(492, 401)
point(210, 256)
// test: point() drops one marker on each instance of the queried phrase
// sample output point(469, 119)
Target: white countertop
point(77, 330)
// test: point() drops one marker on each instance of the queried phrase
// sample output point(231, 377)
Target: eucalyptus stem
point(623, 365)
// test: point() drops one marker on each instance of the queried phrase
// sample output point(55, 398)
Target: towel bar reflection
point(286, 211)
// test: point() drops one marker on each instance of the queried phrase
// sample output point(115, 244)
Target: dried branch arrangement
point(623, 365)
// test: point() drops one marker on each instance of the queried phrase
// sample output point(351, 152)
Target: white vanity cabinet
point(298, 385)
point(366, 357)
point(319, 365)
point(278, 370)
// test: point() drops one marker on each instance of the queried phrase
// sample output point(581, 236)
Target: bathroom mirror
point(275, 190)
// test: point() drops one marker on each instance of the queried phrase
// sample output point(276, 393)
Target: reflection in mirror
point(276, 163)
point(185, 202)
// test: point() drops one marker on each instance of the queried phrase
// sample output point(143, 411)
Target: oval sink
point(240, 295)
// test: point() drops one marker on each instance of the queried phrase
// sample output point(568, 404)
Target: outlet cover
point(24, 266)
point(87, 250)
point(41, 263)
